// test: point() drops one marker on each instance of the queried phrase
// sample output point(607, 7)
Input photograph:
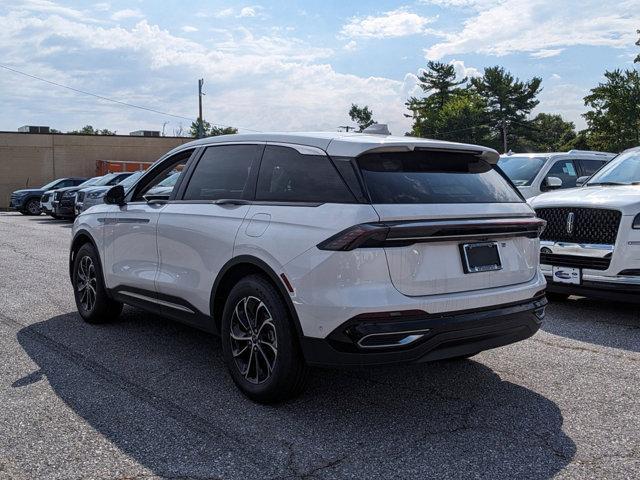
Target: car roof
point(585, 154)
point(346, 144)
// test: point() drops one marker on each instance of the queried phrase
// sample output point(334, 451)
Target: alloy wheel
point(86, 283)
point(254, 342)
point(33, 207)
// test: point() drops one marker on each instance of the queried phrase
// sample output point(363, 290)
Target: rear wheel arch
point(238, 268)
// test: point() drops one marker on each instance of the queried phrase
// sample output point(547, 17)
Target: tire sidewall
point(101, 305)
point(287, 342)
point(30, 202)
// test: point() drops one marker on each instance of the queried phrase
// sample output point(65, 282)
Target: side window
point(65, 183)
point(565, 170)
point(222, 172)
point(154, 184)
point(589, 167)
point(289, 176)
point(77, 182)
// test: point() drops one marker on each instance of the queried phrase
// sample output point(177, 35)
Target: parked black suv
point(27, 201)
point(64, 199)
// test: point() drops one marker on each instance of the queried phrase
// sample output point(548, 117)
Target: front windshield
point(91, 181)
point(102, 181)
point(521, 169)
point(49, 185)
point(131, 179)
point(623, 170)
point(170, 181)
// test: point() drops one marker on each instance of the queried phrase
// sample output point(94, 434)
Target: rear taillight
point(363, 235)
point(403, 233)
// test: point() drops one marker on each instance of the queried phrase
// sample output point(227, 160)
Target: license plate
point(480, 257)
point(566, 275)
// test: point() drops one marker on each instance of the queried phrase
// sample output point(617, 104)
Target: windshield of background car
point(170, 181)
point(49, 185)
point(433, 177)
point(521, 169)
point(102, 181)
point(91, 181)
point(624, 169)
point(130, 180)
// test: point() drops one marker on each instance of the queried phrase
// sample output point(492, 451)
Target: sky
point(291, 65)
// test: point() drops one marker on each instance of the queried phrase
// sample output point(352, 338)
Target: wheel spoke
point(251, 329)
point(266, 360)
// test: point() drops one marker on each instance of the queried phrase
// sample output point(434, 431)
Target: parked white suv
point(591, 245)
point(319, 249)
point(535, 173)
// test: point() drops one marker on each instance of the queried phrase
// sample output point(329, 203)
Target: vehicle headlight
point(636, 223)
point(96, 195)
point(69, 194)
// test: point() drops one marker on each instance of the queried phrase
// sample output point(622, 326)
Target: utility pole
point(200, 121)
point(504, 136)
point(347, 128)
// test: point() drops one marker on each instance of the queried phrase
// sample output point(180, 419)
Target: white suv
point(591, 245)
point(535, 173)
point(319, 249)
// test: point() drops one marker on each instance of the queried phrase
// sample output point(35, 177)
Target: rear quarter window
point(286, 175)
point(433, 177)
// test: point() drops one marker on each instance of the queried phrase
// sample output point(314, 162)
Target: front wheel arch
point(80, 238)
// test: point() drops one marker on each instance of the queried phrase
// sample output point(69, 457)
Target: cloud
point(248, 12)
point(396, 23)
point(564, 99)
point(126, 13)
point(350, 46)
point(102, 6)
point(189, 28)
point(261, 82)
point(547, 52)
point(532, 26)
point(463, 71)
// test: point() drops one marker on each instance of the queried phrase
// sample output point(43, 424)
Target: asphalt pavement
point(148, 398)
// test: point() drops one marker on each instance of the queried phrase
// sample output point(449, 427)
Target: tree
point(439, 82)
point(614, 118)
point(637, 59)
point(462, 119)
point(362, 116)
point(508, 100)
point(211, 131)
point(547, 133)
point(89, 130)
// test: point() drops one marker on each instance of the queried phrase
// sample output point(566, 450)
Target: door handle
point(231, 201)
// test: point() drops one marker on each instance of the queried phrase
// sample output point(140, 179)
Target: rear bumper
point(440, 336)
point(614, 288)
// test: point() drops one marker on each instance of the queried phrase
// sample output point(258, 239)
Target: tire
point(32, 207)
point(94, 305)
point(557, 297)
point(278, 371)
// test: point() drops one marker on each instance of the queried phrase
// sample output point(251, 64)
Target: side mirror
point(552, 183)
point(582, 180)
point(115, 196)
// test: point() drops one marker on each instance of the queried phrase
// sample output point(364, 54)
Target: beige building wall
point(31, 160)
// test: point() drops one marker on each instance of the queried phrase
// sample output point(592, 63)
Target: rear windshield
point(521, 169)
point(433, 177)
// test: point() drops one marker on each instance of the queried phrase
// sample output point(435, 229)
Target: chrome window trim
point(579, 249)
point(301, 149)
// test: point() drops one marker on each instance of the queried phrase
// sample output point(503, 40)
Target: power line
point(102, 97)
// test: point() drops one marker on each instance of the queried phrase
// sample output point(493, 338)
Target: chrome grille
point(58, 196)
point(80, 197)
point(580, 225)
